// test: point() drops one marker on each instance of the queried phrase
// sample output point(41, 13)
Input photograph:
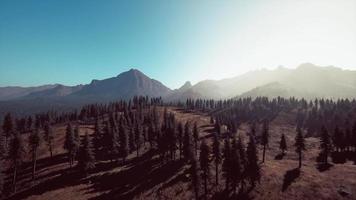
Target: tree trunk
point(14, 177)
point(50, 150)
point(216, 174)
point(264, 153)
point(300, 159)
point(205, 185)
point(34, 160)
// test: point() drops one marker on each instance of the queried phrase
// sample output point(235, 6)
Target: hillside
point(147, 178)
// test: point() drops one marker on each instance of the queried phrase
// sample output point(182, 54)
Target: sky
point(74, 41)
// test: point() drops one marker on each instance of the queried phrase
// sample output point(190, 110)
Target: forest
point(222, 163)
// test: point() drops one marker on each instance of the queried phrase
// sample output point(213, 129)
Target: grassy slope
point(147, 178)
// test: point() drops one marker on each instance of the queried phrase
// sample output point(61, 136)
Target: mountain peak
point(186, 85)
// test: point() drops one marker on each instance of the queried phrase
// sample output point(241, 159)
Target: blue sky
point(73, 41)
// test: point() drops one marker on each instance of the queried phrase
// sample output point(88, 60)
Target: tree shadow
point(136, 179)
point(279, 156)
point(67, 178)
point(338, 157)
point(289, 177)
point(323, 167)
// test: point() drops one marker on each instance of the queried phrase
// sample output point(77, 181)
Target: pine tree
point(180, 139)
point(283, 144)
point(48, 137)
point(253, 172)
point(34, 143)
point(205, 165)
point(70, 144)
point(226, 166)
point(196, 137)
point(265, 138)
point(124, 151)
point(216, 157)
point(325, 145)
point(138, 138)
point(86, 159)
point(7, 127)
point(187, 142)
point(16, 155)
point(235, 165)
point(97, 140)
point(299, 144)
point(193, 170)
point(243, 161)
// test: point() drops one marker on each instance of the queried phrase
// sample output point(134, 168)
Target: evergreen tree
point(226, 166)
point(299, 144)
point(283, 144)
point(196, 137)
point(16, 155)
point(187, 142)
point(34, 143)
point(205, 165)
point(97, 140)
point(48, 137)
point(70, 144)
point(253, 172)
point(7, 127)
point(216, 157)
point(325, 145)
point(180, 139)
point(193, 170)
point(265, 138)
point(235, 165)
point(138, 138)
point(124, 151)
point(243, 161)
point(86, 159)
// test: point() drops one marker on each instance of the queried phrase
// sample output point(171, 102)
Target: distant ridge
point(307, 81)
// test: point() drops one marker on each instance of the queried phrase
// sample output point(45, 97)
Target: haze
point(51, 42)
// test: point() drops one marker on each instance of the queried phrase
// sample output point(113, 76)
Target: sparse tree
point(138, 138)
point(16, 155)
point(196, 137)
point(7, 127)
point(187, 142)
point(70, 144)
point(86, 159)
point(253, 172)
point(325, 145)
point(193, 170)
point(180, 139)
point(216, 157)
point(124, 149)
point(205, 165)
point(283, 144)
point(265, 138)
point(34, 143)
point(299, 144)
point(235, 165)
point(226, 166)
point(48, 137)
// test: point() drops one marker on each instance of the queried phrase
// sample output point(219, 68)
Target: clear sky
point(75, 41)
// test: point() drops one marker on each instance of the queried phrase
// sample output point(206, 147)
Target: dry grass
point(146, 178)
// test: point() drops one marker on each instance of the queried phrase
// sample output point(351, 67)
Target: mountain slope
point(13, 92)
point(310, 81)
point(124, 86)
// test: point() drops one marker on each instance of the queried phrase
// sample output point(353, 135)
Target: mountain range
point(307, 81)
